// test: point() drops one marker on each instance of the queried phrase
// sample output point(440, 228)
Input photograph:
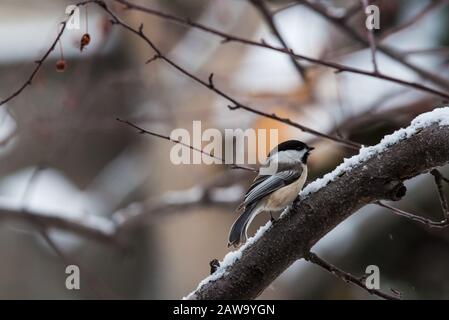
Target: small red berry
point(85, 40)
point(61, 65)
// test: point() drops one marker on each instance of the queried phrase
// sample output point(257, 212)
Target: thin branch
point(227, 38)
point(444, 178)
point(221, 191)
point(209, 84)
point(336, 66)
point(40, 62)
point(286, 7)
point(60, 223)
point(438, 178)
point(158, 135)
point(346, 276)
point(371, 40)
point(411, 216)
point(375, 114)
point(433, 4)
point(93, 282)
point(342, 25)
point(351, 11)
point(109, 231)
point(269, 20)
point(345, 142)
point(437, 50)
point(428, 222)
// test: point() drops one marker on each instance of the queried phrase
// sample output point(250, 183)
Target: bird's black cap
point(293, 145)
point(290, 145)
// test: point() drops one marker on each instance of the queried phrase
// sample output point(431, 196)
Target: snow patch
point(229, 260)
point(232, 193)
point(438, 116)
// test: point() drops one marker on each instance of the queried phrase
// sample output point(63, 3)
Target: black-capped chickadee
point(273, 191)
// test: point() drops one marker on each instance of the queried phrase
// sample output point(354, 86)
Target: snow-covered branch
point(374, 174)
point(109, 230)
point(91, 227)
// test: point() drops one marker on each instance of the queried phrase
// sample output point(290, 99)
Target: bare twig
point(92, 281)
point(154, 134)
point(205, 194)
point(336, 66)
point(211, 85)
point(227, 38)
point(346, 276)
point(443, 178)
point(286, 7)
point(268, 17)
point(371, 40)
point(411, 216)
point(433, 4)
point(437, 50)
point(351, 11)
point(40, 62)
point(399, 114)
point(342, 25)
point(60, 223)
point(438, 178)
point(109, 231)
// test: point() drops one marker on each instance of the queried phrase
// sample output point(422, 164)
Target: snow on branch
point(437, 116)
point(376, 173)
point(109, 230)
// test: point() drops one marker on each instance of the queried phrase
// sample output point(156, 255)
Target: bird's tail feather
point(238, 229)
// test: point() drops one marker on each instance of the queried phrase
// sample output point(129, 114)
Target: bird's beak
point(311, 148)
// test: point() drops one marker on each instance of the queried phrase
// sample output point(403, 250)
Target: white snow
point(194, 194)
point(121, 216)
point(232, 193)
point(439, 115)
point(191, 195)
point(53, 195)
point(229, 260)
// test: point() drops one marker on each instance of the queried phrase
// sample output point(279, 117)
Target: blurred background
point(79, 187)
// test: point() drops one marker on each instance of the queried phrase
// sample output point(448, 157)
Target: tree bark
point(309, 220)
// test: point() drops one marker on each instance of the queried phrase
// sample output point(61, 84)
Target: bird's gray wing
point(264, 185)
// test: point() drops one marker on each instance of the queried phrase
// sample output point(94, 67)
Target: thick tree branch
point(93, 282)
point(223, 190)
point(326, 203)
point(105, 235)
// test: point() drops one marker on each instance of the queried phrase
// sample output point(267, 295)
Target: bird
point(272, 191)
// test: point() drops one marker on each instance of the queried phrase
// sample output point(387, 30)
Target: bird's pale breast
point(285, 196)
